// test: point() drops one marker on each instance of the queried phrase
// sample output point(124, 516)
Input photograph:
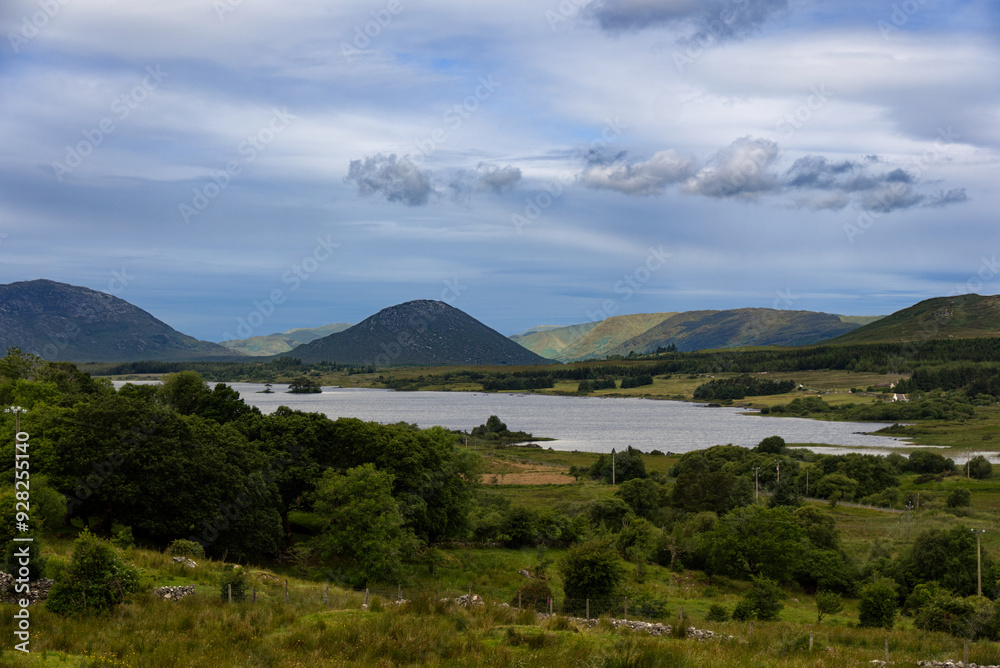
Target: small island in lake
point(303, 385)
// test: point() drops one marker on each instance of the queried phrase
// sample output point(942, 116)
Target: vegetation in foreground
point(723, 536)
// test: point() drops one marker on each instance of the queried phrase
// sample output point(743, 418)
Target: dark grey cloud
point(701, 19)
point(953, 196)
point(396, 180)
point(485, 176)
point(498, 179)
point(746, 169)
point(648, 177)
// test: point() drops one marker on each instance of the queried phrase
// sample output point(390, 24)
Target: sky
point(244, 167)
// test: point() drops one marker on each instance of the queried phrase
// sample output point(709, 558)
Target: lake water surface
point(593, 424)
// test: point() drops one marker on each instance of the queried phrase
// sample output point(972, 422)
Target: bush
point(591, 570)
point(717, 613)
point(979, 467)
point(97, 579)
point(827, 603)
point(235, 578)
point(185, 548)
point(764, 598)
point(533, 595)
point(959, 498)
point(743, 611)
point(877, 608)
point(122, 538)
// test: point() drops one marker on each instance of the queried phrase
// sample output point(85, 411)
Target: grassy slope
point(308, 631)
point(610, 333)
point(961, 317)
point(550, 342)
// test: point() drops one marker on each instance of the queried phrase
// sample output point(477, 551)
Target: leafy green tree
point(762, 600)
point(836, 484)
point(980, 468)
point(97, 579)
point(304, 385)
point(877, 608)
point(772, 445)
point(520, 527)
point(959, 498)
point(784, 494)
point(756, 542)
point(613, 513)
point(234, 583)
point(642, 495)
point(628, 465)
point(819, 526)
point(363, 531)
point(591, 570)
point(949, 557)
point(827, 603)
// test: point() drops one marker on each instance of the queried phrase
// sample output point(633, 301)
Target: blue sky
point(274, 165)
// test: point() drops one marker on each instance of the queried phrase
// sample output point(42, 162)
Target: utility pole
point(756, 473)
point(16, 410)
point(612, 466)
point(979, 561)
point(778, 468)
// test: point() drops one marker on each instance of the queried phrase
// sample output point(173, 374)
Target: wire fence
point(326, 596)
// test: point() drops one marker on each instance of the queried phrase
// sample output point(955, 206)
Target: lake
point(593, 424)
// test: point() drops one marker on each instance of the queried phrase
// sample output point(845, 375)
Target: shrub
point(959, 498)
point(590, 570)
point(764, 598)
point(980, 467)
point(533, 595)
point(877, 608)
point(97, 579)
point(717, 613)
point(235, 578)
point(827, 603)
point(122, 538)
point(185, 548)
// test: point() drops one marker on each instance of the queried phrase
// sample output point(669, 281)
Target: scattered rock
point(525, 573)
point(174, 593)
point(653, 629)
point(37, 591)
point(187, 562)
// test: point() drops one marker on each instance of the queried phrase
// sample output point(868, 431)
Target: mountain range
point(64, 322)
point(70, 323)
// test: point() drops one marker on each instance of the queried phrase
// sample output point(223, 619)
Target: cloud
point(953, 196)
point(664, 169)
point(739, 170)
point(701, 19)
point(497, 179)
point(396, 180)
point(484, 177)
point(746, 169)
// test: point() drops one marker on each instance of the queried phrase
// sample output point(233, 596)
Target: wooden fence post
point(286, 591)
point(399, 593)
point(887, 650)
point(326, 595)
point(751, 630)
point(626, 608)
point(255, 594)
point(518, 601)
point(588, 609)
point(366, 597)
point(229, 592)
point(810, 641)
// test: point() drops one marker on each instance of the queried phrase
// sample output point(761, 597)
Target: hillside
point(64, 322)
point(421, 332)
point(610, 333)
point(549, 342)
point(960, 317)
point(698, 330)
point(275, 344)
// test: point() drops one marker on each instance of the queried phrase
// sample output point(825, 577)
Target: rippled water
point(592, 424)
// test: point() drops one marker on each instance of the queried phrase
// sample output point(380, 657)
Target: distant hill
point(698, 330)
point(62, 322)
point(275, 344)
point(421, 332)
point(960, 317)
point(551, 341)
point(609, 334)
